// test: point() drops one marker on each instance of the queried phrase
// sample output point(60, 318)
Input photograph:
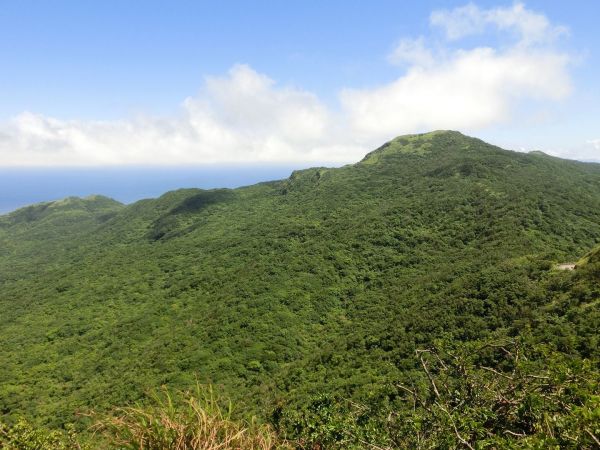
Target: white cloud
point(238, 118)
point(245, 116)
point(250, 104)
point(530, 27)
point(469, 90)
point(589, 151)
point(464, 89)
point(412, 52)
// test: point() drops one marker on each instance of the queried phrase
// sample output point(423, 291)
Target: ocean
point(24, 186)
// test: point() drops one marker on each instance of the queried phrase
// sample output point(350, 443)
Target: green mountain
point(320, 286)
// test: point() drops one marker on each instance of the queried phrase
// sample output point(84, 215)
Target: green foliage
point(305, 295)
point(497, 394)
point(329, 421)
point(500, 396)
point(24, 436)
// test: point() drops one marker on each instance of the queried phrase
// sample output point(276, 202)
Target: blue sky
point(155, 83)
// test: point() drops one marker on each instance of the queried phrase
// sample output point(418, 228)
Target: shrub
point(184, 421)
point(25, 436)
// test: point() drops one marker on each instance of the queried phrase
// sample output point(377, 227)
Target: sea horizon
point(23, 186)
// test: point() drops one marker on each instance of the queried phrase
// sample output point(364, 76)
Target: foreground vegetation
point(495, 395)
point(184, 421)
point(408, 301)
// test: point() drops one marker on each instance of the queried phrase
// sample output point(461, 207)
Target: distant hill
point(322, 284)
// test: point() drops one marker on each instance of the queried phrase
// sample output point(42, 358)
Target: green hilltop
point(301, 297)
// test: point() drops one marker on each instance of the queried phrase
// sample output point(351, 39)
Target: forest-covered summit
point(319, 286)
point(94, 205)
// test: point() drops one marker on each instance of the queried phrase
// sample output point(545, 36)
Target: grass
point(184, 421)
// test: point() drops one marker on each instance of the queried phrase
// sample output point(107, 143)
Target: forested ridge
point(410, 300)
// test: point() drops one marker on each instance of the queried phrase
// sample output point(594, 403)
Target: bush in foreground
point(196, 420)
point(25, 436)
point(497, 394)
point(184, 421)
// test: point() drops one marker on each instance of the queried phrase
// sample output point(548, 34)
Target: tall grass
point(184, 421)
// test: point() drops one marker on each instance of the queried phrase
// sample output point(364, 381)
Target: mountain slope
point(324, 282)
point(34, 238)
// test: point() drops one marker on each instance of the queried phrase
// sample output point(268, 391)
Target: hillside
point(321, 285)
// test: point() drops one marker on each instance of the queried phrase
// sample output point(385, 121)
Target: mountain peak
point(419, 144)
point(93, 204)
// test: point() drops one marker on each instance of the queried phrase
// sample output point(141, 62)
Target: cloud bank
point(244, 116)
point(241, 117)
point(589, 151)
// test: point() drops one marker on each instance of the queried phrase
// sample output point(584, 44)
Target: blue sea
point(24, 186)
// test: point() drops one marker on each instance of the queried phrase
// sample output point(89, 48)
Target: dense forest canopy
point(362, 298)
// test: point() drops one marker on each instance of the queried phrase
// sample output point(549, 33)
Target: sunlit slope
point(429, 235)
